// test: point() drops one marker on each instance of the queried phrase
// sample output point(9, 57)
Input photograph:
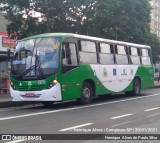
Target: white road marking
point(75, 108)
point(16, 141)
point(153, 115)
point(121, 116)
point(74, 127)
point(152, 109)
point(121, 124)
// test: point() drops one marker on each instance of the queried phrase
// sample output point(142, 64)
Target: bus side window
point(106, 54)
point(146, 60)
point(88, 52)
point(135, 56)
point(121, 55)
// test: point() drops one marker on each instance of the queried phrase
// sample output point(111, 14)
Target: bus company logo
point(29, 83)
point(124, 72)
point(114, 72)
point(105, 72)
point(131, 71)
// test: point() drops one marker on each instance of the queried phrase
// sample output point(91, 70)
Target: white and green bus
point(62, 66)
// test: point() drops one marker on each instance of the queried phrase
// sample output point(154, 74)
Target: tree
point(21, 21)
point(154, 42)
point(125, 20)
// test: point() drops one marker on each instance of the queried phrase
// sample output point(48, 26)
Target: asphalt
point(6, 100)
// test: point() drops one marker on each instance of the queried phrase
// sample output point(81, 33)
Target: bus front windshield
point(36, 57)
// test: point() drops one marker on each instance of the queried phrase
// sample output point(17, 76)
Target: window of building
point(151, 16)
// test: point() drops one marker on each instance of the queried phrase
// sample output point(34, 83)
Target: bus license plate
point(29, 94)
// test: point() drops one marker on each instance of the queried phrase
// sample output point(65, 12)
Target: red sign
point(7, 42)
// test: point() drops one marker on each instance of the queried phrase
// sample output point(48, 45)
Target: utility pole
point(47, 15)
point(116, 33)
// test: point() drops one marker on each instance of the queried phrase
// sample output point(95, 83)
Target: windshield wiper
point(27, 70)
point(37, 64)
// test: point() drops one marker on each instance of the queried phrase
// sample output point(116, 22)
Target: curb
point(6, 101)
point(6, 104)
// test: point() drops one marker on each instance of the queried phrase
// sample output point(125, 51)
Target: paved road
point(118, 114)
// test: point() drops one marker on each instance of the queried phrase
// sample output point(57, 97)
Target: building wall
point(155, 17)
point(3, 64)
point(3, 23)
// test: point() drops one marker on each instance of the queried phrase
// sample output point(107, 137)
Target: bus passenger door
point(147, 69)
point(70, 67)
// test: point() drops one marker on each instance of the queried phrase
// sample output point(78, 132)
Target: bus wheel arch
point(87, 91)
point(136, 88)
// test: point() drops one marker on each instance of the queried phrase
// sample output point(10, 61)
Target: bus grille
point(32, 88)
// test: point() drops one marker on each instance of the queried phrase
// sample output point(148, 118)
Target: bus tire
point(87, 93)
point(136, 88)
point(48, 103)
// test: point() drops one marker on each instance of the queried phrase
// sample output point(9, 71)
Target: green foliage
point(126, 20)
point(154, 42)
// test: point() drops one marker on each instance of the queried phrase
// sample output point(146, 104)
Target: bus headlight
point(52, 83)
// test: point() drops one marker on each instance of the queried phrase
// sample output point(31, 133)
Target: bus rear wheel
point(48, 103)
point(87, 93)
point(136, 88)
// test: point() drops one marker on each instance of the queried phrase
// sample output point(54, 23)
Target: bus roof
point(86, 37)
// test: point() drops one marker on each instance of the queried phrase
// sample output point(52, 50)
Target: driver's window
point(69, 54)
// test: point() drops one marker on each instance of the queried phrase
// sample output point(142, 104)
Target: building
point(5, 44)
point(155, 17)
point(3, 22)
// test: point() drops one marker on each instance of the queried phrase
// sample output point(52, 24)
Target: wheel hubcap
point(137, 87)
point(86, 92)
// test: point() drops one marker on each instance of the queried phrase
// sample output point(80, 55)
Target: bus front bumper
point(52, 94)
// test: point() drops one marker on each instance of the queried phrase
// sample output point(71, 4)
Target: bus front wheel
point(86, 94)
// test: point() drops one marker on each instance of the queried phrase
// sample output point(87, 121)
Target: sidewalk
point(156, 84)
point(6, 101)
